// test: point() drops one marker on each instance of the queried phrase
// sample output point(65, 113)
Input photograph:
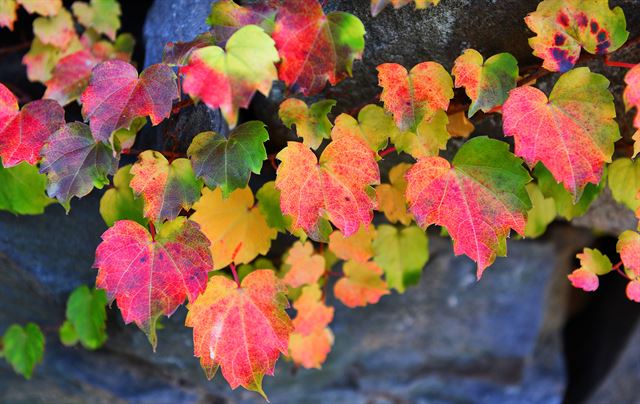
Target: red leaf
point(116, 96)
point(338, 185)
point(24, 132)
point(315, 47)
point(584, 279)
point(149, 278)
point(242, 330)
point(70, 77)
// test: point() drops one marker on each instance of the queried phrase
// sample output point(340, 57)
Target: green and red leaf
point(314, 47)
point(151, 276)
point(415, 96)
point(478, 198)
point(631, 98)
point(227, 17)
point(338, 185)
point(312, 123)
point(24, 132)
point(563, 27)
point(572, 132)
point(116, 96)
point(362, 284)
point(70, 77)
point(228, 79)
point(75, 162)
point(241, 329)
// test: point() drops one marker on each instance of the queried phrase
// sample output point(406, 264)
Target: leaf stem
point(386, 151)
point(614, 63)
point(152, 230)
point(233, 264)
point(616, 268)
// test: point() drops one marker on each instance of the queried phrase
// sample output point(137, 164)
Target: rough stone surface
point(496, 340)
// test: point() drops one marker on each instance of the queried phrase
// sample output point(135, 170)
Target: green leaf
point(594, 261)
point(119, 202)
point(68, 334)
point(541, 214)
point(22, 190)
point(87, 315)
point(624, 182)
point(269, 204)
point(228, 163)
point(23, 348)
point(401, 254)
point(563, 198)
point(430, 137)
point(312, 124)
point(374, 125)
point(101, 15)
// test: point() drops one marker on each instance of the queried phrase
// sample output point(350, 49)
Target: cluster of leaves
point(177, 224)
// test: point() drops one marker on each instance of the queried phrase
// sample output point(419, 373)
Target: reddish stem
point(386, 151)
point(233, 264)
point(614, 63)
point(272, 160)
point(181, 104)
point(152, 230)
point(169, 155)
point(616, 268)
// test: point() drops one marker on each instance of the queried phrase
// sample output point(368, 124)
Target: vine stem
point(386, 151)
point(168, 154)
point(614, 63)
point(152, 230)
point(616, 268)
point(233, 265)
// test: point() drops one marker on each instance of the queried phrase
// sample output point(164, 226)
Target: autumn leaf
point(314, 47)
point(86, 317)
point(103, 16)
point(75, 163)
point(242, 330)
point(356, 247)
point(227, 17)
point(57, 30)
point(42, 59)
point(390, 196)
point(541, 214)
point(8, 9)
point(572, 133)
point(624, 182)
point(311, 351)
point(23, 348)
point(563, 27)
point(631, 98)
point(119, 202)
point(312, 313)
point(338, 185)
point(361, 284)
point(8, 13)
point(565, 205)
point(116, 96)
point(149, 277)
point(428, 139)
point(378, 5)
point(228, 79)
point(236, 227)
point(478, 198)
point(374, 125)
point(178, 53)
point(227, 162)
point(303, 266)
point(459, 125)
point(22, 190)
point(70, 77)
point(165, 187)
point(268, 197)
point(592, 264)
point(402, 254)
point(312, 124)
point(415, 96)
point(24, 132)
point(487, 83)
point(628, 247)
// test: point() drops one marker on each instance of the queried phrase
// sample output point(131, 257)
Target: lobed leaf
point(624, 182)
point(415, 96)
point(23, 348)
point(338, 185)
point(119, 202)
point(304, 267)
point(628, 247)
point(227, 17)
point(361, 284)
point(356, 247)
point(116, 96)
point(310, 351)
point(572, 132)
point(487, 83)
point(478, 198)
point(312, 312)
point(70, 77)
point(166, 188)
point(149, 277)
point(268, 197)
point(22, 190)
point(391, 200)
point(631, 97)
point(227, 162)
point(75, 163)
point(242, 330)
point(563, 27)
point(103, 16)
point(229, 79)
point(87, 316)
point(24, 132)
point(373, 125)
point(235, 226)
point(312, 124)
point(428, 139)
point(542, 212)
point(314, 47)
point(57, 31)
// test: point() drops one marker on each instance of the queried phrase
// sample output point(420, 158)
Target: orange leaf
point(361, 284)
point(305, 267)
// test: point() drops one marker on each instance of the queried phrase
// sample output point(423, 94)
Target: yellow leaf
point(233, 225)
point(310, 351)
point(459, 125)
point(356, 247)
point(391, 198)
